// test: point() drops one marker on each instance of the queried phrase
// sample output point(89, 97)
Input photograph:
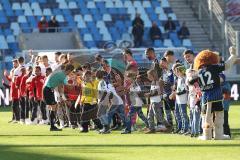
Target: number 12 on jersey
point(206, 78)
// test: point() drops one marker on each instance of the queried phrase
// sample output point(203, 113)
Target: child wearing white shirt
point(156, 106)
point(181, 99)
point(136, 102)
point(103, 102)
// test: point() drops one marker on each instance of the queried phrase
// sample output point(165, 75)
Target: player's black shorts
point(216, 106)
point(48, 96)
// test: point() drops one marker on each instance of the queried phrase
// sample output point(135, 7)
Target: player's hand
point(172, 96)
point(147, 94)
point(5, 73)
point(68, 103)
point(76, 105)
point(232, 50)
point(164, 96)
point(30, 52)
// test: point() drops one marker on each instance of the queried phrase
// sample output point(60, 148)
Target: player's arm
point(33, 86)
point(192, 80)
point(103, 97)
point(8, 77)
point(61, 93)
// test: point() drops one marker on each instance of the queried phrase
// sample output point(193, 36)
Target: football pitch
point(21, 142)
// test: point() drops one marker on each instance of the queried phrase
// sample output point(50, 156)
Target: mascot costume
point(208, 67)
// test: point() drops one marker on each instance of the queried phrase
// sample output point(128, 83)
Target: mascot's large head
point(204, 58)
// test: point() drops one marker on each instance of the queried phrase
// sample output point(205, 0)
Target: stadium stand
point(97, 21)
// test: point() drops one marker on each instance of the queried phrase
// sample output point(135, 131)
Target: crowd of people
point(69, 94)
point(155, 33)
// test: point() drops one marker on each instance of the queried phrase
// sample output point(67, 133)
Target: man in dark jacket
point(169, 25)
point(53, 25)
point(137, 32)
point(183, 33)
point(155, 32)
point(137, 19)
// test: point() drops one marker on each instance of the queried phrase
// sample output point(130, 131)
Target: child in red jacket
point(72, 90)
point(22, 94)
point(37, 85)
point(13, 92)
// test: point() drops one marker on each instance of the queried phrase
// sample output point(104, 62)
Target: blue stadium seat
point(118, 4)
point(177, 42)
point(97, 37)
point(107, 17)
point(57, 11)
point(146, 4)
point(32, 21)
point(72, 5)
point(63, 5)
point(14, 46)
point(15, 27)
point(10, 39)
point(112, 11)
point(3, 19)
point(173, 35)
point(167, 43)
point(81, 25)
point(16, 6)
point(8, 32)
point(187, 43)
point(91, 4)
point(165, 4)
point(3, 44)
point(155, 3)
point(47, 12)
point(122, 10)
point(87, 37)
point(19, 12)
point(158, 43)
point(109, 4)
point(90, 44)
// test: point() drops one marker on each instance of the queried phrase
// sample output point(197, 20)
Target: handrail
point(37, 30)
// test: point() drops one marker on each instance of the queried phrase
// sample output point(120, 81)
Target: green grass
point(19, 142)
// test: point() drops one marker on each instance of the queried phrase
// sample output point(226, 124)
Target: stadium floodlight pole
point(1, 68)
point(223, 35)
point(199, 10)
point(210, 7)
point(237, 42)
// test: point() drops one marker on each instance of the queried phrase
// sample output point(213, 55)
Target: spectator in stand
point(155, 32)
point(137, 20)
point(53, 25)
point(183, 33)
point(169, 25)
point(137, 33)
point(43, 25)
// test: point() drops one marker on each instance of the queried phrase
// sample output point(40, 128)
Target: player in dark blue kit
point(210, 84)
